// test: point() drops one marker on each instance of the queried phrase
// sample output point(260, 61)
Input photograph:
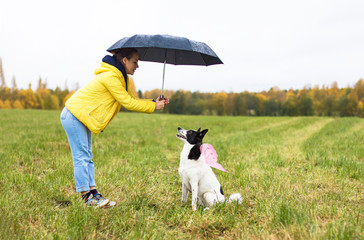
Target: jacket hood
point(112, 61)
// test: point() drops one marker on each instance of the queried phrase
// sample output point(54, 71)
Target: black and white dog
point(195, 171)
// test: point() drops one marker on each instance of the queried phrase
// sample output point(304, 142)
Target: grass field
point(301, 178)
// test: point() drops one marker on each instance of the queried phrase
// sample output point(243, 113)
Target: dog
point(196, 173)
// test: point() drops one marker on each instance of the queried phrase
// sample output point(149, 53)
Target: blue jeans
point(80, 140)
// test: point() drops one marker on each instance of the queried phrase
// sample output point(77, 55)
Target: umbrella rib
point(175, 57)
point(145, 52)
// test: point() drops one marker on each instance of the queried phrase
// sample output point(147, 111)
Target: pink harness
point(210, 155)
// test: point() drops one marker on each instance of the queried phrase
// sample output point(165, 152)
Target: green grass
point(301, 178)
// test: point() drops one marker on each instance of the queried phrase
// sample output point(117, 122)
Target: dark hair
point(125, 52)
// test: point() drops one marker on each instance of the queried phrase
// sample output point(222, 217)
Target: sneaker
point(110, 204)
point(97, 201)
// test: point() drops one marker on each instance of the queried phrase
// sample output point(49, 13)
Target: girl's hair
point(125, 52)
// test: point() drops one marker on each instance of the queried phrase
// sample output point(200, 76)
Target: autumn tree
point(239, 105)
point(60, 94)
point(64, 100)
point(17, 104)
point(41, 93)
point(253, 104)
point(178, 103)
point(305, 105)
point(140, 94)
point(261, 100)
point(51, 102)
point(318, 97)
point(197, 103)
point(27, 98)
point(349, 104)
point(153, 94)
point(220, 101)
point(5, 94)
point(229, 106)
point(272, 107)
point(359, 91)
point(276, 94)
point(5, 104)
point(290, 106)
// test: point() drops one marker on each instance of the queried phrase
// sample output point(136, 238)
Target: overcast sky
point(284, 43)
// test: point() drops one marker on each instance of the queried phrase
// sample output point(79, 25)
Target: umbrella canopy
point(169, 49)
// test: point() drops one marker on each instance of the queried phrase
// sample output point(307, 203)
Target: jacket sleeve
point(117, 90)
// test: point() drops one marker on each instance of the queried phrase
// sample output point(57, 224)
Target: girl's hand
point(159, 103)
point(166, 101)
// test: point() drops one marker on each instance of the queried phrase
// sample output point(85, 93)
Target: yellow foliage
point(131, 87)
point(360, 105)
point(27, 98)
point(157, 92)
point(152, 93)
point(261, 97)
point(17, 104)
point(220, 100)
point(5, 104)
point(42, 93)
point(51, 102)
point(220, 97)
point(66, 98)
point(290, 95)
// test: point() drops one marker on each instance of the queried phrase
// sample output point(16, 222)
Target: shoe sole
point(110, 204)
point(103, 204)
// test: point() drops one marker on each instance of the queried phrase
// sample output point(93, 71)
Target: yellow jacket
point(96, 104)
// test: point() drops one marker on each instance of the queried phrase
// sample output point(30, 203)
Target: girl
point(92, 108)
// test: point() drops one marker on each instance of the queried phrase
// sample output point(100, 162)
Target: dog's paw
point(206, 209)
point(194, 207)
point(235, 197)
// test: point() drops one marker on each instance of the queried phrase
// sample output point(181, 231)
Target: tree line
point(42, 98)
point(316, 101)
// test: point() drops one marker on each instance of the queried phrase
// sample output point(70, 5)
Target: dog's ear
point(202, 134)
point(198, 130)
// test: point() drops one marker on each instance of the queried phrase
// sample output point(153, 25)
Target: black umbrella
point(169, 49)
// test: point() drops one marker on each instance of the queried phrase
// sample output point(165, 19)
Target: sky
point(263, 44)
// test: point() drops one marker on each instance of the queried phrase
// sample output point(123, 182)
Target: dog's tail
point(235, 197)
